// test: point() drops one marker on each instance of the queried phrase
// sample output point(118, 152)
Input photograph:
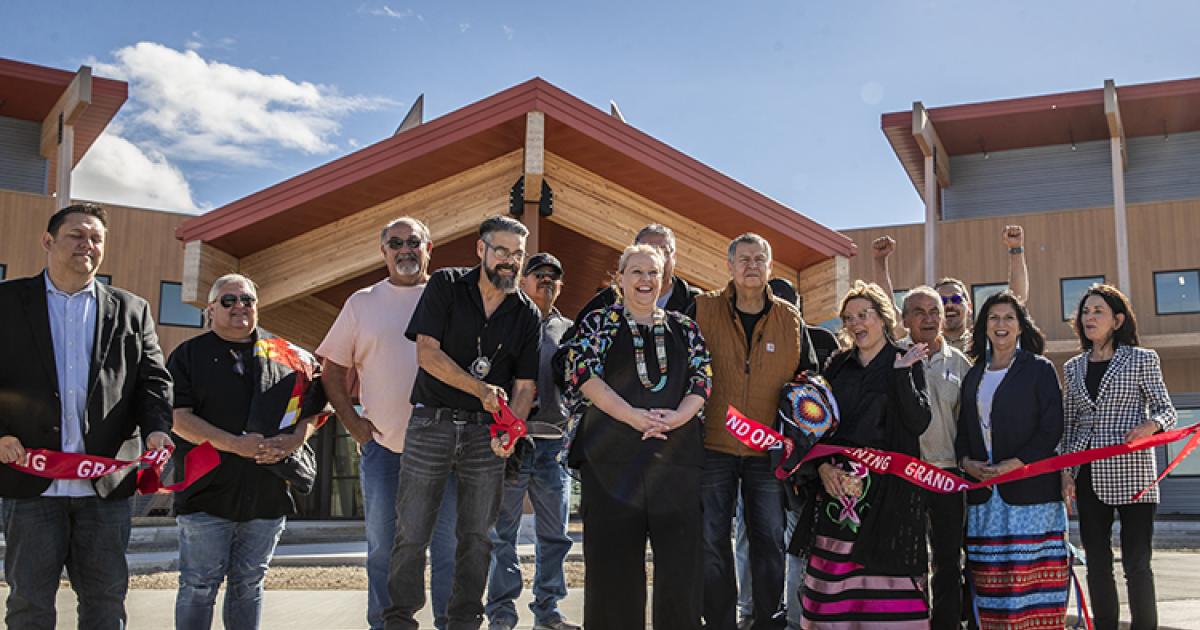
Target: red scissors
point(507, 422)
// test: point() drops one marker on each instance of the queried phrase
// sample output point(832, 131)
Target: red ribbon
point(761, 437)
point(507, 422)
point(50, 464)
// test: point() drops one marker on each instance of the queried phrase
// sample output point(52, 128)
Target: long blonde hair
point(879, 300)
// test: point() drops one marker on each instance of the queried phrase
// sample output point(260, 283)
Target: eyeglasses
point(850, 318)
point(413, 242)
point(229, 300)
point(953, 299)
point(547, 275)
point(503, 253)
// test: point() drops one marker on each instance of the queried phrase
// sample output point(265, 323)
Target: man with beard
point(945, 368)
point(676, 294)
point(477, 342)
point(955, 296)
point(541, 475)
point(368, 338)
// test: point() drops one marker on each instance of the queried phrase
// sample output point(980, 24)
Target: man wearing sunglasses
point(83, 374)
point(956, 299)
point(540, 476)
point(477, 341)
point(367, 343)
point(234, 388)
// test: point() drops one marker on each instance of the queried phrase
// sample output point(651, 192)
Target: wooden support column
point(937, 176)
point(1118, 158)
point(535, 173)
point(203, 264)
point(58, 132)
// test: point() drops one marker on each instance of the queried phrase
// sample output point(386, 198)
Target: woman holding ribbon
point(1011, 415)
point(636, 380)
point(1114, 394)
point(867, 561)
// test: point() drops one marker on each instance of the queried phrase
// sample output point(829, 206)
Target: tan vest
point(749, 380)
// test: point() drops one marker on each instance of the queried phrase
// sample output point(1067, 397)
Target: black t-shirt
point(605, 440)
point(215, 378)
point(1095, 373)
point(451, 311)
point(750, 320)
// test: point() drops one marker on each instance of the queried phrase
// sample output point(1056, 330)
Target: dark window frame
point(975, 304)
point(1062, 296)
point(100, 277)
point(161, 322)
point(1154, 281)
point(3, 272)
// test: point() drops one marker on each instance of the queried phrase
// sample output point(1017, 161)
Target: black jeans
point(432, 448)
point(621, 506)
point(1137, 534)
point(762, 494)
point(947, 525)
point(89, 536)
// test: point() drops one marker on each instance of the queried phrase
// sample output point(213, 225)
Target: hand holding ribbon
point(507, 422)
point(57, 465)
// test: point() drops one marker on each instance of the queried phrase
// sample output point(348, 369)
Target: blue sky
point(785, 96)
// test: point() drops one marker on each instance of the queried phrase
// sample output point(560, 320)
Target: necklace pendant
point(481, 367)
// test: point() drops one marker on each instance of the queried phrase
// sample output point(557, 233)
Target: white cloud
point(386, 11)
point(508, 31)
point(464, 27)
point(115, 170)
point(190, 108)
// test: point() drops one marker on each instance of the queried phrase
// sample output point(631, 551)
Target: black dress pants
point(947, 528)
point(622, 505)
point(1137, 533)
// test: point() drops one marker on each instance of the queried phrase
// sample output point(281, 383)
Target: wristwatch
point(1016, 250)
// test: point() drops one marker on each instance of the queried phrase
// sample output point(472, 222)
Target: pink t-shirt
point(368, 336)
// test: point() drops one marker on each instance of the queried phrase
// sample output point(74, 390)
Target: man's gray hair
point(749, 237)
point(656, 229)
point(501, 223)
point(926, 291)
point(219, 283)
point(416, 224)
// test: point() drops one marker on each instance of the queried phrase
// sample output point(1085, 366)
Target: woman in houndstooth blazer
point(1113, 392)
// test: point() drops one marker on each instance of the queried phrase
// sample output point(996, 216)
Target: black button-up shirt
point(209, 381)
point(451, 311)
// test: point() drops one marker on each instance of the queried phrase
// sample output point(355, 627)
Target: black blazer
point(1027, 423)
point(129, 388)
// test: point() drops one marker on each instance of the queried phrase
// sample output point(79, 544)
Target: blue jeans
point(87, 535)
point(741, 560)
point(546, 481)
point(212, 548)
point(379, 474)
point(433, 450)
point(795, 577)
point(762, 498)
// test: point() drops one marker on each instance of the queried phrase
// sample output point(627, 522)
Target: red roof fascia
point(655, 154)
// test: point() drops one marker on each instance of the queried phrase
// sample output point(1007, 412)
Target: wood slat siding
point(141, 251)
point(1162, 237)
point(1021, 181)
point(1161, 170)
point(22, 168)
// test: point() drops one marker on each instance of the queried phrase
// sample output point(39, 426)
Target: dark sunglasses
point(413, 242)
point(953, 299)
point(547, 275)
point(229, 299)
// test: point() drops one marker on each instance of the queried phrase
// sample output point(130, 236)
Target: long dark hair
point(1126, 333)
point(1031, 338)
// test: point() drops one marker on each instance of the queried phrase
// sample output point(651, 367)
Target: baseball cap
point(542, 259)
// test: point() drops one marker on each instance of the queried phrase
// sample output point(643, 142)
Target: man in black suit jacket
point(82, 373)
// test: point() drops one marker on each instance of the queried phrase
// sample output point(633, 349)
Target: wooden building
point(588, 182)
point(1106, 183)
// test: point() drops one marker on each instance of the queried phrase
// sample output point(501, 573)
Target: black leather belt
point(446, 414)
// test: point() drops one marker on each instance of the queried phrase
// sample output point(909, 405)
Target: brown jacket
point(749, 379)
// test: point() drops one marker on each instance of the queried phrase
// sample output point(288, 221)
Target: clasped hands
point(984, 471)
point(654, 424)
point(266, 450)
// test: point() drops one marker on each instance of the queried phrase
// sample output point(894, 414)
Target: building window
point(1190, 466)
point(1177, 291)
point(104, 278)
point(981, 292)
point(3, 272)
point(898, 296)
point(172, 311)
point(1071, 291)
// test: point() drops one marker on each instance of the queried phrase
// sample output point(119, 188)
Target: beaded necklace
point(660, 350)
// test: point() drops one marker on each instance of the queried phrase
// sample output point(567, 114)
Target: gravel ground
point(324, 578)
